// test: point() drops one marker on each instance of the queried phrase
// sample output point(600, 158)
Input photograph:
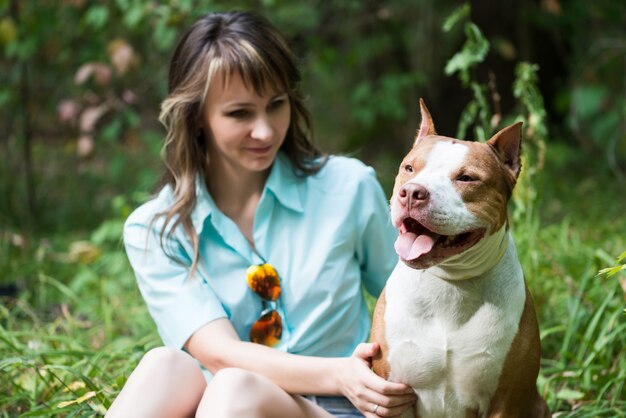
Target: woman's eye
point(408, 168)
point(238, 113)
point(276, 104)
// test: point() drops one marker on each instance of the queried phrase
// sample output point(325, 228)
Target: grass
point(77, 325)
point(578, 229)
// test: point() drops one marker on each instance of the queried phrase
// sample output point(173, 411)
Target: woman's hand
point(370, 392)
point(217, 346)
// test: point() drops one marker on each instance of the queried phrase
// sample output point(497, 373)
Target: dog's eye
point(408, 168)
point(465, 178)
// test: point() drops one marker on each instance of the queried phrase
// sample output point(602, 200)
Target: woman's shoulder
point(345, 166)
point(146, 213)
point(341, 171)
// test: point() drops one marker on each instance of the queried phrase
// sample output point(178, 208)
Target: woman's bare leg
point(166, 383)
point(239, 393)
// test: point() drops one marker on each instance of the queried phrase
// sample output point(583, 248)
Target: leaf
point(468, 116)
point(10, 363)
point(121, 54)
point(85, 146)
point(110, 231)
point(569, 394)
point(45, 412)
point(97, 16)
point(587, 100)
point(8, 31)
point(612, 271)
point(100, 72)
point(90, 116)
point(79, 400)
point(84, 252)
point(112, 131)
point(133, 16)
point(605, 126)
point(5, 96)
point(164, 35)
point(458, 14)
point(473, 52)
point(68, 110)
point(120, 381)
point(74, 386)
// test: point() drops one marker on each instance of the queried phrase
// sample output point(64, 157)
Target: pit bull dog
point(455, 320)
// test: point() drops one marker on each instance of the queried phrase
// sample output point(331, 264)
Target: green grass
point(78, 326)
point(577, 229)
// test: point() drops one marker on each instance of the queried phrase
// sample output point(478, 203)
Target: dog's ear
point(508, 144)
point(427, 127)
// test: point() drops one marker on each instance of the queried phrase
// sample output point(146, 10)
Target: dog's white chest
point(449, 339)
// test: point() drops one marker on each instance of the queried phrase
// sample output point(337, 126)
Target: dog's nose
point(412, 194)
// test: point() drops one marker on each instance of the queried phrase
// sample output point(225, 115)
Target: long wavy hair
point(224, 43)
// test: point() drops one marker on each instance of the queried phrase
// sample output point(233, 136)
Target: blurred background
point(80, 88)
point(82, 83)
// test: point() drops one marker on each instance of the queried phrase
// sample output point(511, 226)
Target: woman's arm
point(216, 345)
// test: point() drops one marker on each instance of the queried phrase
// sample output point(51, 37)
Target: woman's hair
point(224, 43)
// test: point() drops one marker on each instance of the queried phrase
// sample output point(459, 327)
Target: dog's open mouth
point(415, 240)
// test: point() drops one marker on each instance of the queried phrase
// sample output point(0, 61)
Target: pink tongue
point(409, 246)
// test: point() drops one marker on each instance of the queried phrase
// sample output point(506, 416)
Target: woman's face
point(245, 130)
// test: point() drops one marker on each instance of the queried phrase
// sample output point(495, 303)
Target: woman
point(245, 188)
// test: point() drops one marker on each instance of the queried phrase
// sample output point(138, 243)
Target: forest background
point(80, 88)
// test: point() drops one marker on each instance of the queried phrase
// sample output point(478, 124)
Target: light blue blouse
point(328, 235)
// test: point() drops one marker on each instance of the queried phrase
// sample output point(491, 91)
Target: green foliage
point(478, 111)
point(473, 52)
point(619, 270)
point(81, 91)
point(388, 91)
point(87, 92)
point(581, 316)
point(598, 115)
point(594, 102)
point(526, 90)
point(369, 52)
point(83, 98)
point(620, 266)
point(70, 339)
point(533, 114)
point(486, 116)
point(581, 321)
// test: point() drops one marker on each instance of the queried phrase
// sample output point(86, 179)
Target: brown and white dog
point(455, 320)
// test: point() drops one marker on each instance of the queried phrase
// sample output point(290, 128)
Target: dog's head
point(449, 194)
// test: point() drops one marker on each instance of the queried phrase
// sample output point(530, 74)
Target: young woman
point(254, 256)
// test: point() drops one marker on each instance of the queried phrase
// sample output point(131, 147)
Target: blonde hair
point(224, 43)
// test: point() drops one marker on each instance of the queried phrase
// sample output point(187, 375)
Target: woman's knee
point(166, 383)
point(234, 392)
point(164, 367)
point(236, 380)
point(167, 359)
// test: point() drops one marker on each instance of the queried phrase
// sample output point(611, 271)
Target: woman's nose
point(262, 129)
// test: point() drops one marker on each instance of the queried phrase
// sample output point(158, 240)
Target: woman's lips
point(259, 150)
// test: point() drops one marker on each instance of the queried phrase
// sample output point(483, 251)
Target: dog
point(455, 320)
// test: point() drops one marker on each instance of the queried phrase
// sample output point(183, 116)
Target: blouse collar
point(282, 183)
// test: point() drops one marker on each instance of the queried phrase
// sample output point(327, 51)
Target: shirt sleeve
point(178, 304)
point(375, 250)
